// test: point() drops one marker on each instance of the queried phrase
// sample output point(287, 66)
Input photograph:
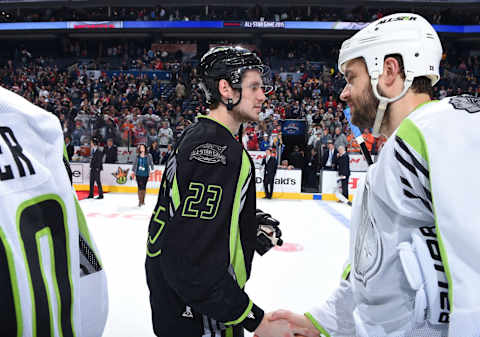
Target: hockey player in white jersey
point(413, 265)
point(52, 282)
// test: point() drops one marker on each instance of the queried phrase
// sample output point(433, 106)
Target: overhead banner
point(94, 24)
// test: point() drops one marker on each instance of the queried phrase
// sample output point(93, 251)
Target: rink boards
point(119, 178)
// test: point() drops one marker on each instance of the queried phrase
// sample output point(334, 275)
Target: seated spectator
point(284, 165)
point(252, 143)
point(368, 138)
point(339, 138)
point(265, 143)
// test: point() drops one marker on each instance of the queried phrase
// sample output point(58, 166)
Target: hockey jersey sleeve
point(202, 252)
point(334, 318)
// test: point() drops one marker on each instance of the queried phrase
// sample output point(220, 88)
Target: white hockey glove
point(268, 233)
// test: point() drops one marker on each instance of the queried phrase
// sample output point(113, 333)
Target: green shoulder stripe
point(412, 135)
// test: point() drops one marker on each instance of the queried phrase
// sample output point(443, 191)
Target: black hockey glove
point(268, 233)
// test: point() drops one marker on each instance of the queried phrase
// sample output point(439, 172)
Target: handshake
point(283, 323)
point(280, 323)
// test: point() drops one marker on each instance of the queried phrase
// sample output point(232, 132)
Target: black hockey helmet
point(229, 63)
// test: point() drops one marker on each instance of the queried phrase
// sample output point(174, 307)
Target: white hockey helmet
point(408, 35)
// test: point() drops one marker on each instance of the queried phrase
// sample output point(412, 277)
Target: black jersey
point(202, 237)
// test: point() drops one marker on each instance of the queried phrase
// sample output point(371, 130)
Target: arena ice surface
point(295, 278)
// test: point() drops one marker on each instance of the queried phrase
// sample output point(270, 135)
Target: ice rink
point(298, 276)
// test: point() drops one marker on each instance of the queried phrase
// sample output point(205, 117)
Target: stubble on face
point(246, 109)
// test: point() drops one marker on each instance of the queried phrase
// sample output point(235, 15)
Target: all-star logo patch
point(208, 153)
point(468, 103)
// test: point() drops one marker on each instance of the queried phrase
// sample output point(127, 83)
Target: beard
point(365, 109)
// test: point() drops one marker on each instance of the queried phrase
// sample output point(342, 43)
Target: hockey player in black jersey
point(205, 227)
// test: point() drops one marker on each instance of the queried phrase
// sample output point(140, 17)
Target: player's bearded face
point(364, 108)
point(359, 95)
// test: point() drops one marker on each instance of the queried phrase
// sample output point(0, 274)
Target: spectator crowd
point(145, 108)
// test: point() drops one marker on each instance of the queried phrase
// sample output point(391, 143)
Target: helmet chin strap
point(230, 105)
point(384, 101)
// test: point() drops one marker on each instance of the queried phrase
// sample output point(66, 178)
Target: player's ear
point(391, 69)
point(225, 89)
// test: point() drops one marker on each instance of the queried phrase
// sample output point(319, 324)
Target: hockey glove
point(268, 233)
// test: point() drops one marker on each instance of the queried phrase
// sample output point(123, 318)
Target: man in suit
point(329, 159)
point(270, 169)
point(343, 164)
point(96, 167)
point(110, 152)
point(69, 147)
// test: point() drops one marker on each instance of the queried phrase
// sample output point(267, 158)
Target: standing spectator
point(296, 159)
point(166, 154)
point(311, 169)
point(270, 169)
point(111, 152)
point(165, 135)
point(155, 153)
point(339, 139)
point(96, 166)
point(69, 147)
point(142, 165)
point(329, 157)
point(343, 167)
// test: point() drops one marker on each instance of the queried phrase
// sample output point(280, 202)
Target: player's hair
point(421, 84)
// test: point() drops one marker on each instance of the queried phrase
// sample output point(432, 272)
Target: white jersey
point(51, 279)
point(422, 189)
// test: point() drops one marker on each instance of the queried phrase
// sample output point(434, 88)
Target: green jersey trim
point(175, 193)
point(236, 252)
point(38, 236)
point(346, 272)
point(229, 332)
point(243, 316)
point(412, 135)
point(20, 210)
point(14, 283)
point(316, 324)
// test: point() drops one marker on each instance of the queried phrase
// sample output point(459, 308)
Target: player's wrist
point(253, 319)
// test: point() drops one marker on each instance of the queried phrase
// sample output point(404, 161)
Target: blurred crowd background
point(135, 90)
